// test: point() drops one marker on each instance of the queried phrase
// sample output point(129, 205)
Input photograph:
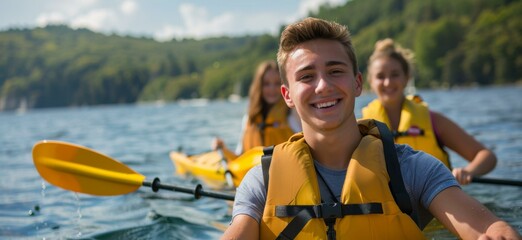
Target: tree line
point(456, 43)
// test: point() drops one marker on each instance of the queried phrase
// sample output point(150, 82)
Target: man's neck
point(334, 148)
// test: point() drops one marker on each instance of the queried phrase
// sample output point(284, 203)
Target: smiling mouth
point(389, 91)
point(326, 104)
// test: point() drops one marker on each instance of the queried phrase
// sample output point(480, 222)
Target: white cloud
point(61, 12)
point(85, 3)
point(94, 20)
point(45, 19)
point(258, 23)
point(128, 7)
point(190, 20)
point(72, 7)
point(197, 22)
point(167, 33)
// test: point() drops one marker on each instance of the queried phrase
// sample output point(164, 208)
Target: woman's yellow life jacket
point(415, 126)
point(273, 130)
point(367, 209)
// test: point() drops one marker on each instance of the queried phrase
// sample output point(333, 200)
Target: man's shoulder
point(403, 149)
point(406, 150)
point(414, 158)
point(254, 175)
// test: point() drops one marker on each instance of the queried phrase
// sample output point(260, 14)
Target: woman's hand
point(217, 143)
point(463, 177)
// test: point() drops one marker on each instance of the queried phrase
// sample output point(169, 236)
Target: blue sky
point(160, 19)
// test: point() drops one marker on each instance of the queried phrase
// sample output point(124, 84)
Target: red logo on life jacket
point(415, 131)
point(412, 131)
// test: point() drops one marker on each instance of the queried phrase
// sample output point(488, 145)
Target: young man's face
point(321, 84)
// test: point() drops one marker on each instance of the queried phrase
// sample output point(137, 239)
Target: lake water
point(141, 137)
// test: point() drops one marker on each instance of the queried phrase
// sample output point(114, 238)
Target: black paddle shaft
point(497, 181)
point(197, 191)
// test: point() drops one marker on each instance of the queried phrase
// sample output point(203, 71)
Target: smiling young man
point(337, 179)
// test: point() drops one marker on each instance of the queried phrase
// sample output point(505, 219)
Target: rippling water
point(141, 137)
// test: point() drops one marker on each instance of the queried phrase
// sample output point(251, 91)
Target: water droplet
point(43, 189)
point(79, 213)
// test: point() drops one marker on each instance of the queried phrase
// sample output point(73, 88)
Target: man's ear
point(286, 96)
point(358, 84)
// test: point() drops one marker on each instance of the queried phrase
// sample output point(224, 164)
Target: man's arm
point(242, 227)
point(248, 207)
point(468, 218)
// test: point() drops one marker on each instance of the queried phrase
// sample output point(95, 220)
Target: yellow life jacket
point(415, 126)
point(367, 209)
point(273, 130)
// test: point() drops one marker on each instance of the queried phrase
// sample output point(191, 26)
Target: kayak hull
point(210, 167)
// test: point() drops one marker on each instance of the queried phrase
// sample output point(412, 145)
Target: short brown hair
point(310, 29)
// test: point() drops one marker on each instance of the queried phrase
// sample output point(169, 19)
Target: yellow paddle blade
point(80, 169)
point(240, 166)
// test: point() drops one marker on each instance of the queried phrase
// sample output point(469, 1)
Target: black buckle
point(329, 210)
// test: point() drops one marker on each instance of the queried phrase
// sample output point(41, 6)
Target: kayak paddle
point(497, 181)
point(229, 180)
point(80, 169)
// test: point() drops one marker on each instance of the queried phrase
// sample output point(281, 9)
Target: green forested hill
point(462, 42)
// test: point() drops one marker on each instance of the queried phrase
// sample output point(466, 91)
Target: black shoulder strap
point(394, 171)
point(265, 163)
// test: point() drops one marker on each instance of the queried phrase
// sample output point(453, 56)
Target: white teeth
point(326, 104)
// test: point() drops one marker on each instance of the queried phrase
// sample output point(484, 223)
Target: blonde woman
point(389, 70)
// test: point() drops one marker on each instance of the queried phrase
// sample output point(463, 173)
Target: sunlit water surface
point(141, 137)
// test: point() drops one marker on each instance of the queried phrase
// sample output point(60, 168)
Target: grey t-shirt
point(424, 177)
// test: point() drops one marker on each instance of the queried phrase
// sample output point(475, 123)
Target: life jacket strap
point(266, 159)
point(396, 184)
point(330, 232)
point(294, 227)
point(264, 125)
point(328, 211)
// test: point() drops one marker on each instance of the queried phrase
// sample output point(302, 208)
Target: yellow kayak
point(212, 169)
